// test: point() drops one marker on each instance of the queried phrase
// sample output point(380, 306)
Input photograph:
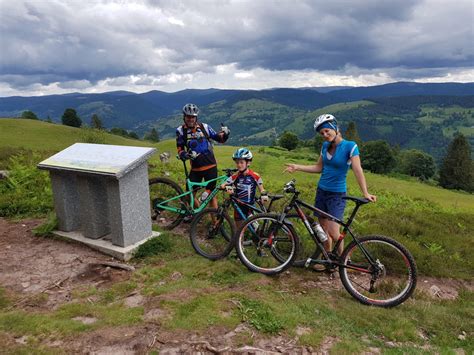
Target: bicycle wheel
point(266, 246)
point(162, 189)
point(211, 233)
point(387, 283)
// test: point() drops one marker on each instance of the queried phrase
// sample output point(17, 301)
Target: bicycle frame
point(296, 204)
point(190, 190)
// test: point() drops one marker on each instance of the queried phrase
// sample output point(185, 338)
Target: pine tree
point(70, 118)
point(318, 143)
point(152, 136)
point(96, 122)
point(351, 133)
point(457, 169)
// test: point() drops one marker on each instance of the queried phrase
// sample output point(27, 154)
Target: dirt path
point(30, 265)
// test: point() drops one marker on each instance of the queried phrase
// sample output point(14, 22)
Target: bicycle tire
point(218, 239)
point(390, 273)
point(162, 189)
point(244, 249)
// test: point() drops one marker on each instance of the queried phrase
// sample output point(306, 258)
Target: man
point(193, 140)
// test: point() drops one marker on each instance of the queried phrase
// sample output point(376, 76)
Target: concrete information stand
point(101, 196)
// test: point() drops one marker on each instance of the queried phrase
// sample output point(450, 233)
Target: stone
point(134, 301)
point(101, 191)
point(85, 320)
point(435, 291)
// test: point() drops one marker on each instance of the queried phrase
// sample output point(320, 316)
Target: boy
point(244, 183)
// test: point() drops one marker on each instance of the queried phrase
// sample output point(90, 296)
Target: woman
point(337, 155)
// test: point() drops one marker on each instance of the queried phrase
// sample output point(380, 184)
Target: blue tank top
point(335, 167)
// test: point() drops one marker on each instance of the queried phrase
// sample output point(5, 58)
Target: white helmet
point(191, 110)
point(325, 118)
point(242, 153)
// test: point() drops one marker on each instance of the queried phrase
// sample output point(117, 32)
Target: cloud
point(177, 44)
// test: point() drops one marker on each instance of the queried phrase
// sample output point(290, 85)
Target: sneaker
point(319, 267)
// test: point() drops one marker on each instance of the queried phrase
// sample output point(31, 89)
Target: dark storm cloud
point(83, 42)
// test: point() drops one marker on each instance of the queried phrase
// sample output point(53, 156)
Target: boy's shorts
point(246, 211)
point(330, 202)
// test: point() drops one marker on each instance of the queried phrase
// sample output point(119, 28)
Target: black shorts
point(247, 211)
point(209, 174)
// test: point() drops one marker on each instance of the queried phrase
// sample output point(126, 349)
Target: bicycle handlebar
point(290, 187)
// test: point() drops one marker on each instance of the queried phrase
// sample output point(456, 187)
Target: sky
point(58, 46)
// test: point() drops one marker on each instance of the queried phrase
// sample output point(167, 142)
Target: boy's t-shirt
point(246, 185)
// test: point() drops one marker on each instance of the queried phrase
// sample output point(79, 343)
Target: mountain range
point(129, 110)
point(408, 114)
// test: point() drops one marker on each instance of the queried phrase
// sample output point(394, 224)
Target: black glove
point(183, 155)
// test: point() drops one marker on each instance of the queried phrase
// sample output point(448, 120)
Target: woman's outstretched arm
point(317, 168)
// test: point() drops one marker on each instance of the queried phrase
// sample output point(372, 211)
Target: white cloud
point(54, 45)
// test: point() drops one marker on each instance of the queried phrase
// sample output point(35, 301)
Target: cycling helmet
point(191, 110)
point(242, 153)
point(326, 118)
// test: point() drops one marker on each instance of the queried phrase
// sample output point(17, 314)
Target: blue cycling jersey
point(335, 167)
point(194, 139)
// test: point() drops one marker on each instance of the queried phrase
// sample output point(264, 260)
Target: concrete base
point(104, 245)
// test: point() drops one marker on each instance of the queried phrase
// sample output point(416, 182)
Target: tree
point(351, 133)
point(152, 136)
point(416, 163)
point(133, 135)
point(49, 120)
point(457, 168)
point(96, 122)
point(377, 157)
point(318, 143)
point(70, 118)
point(288, 140)
point(29, 115)
point(119, 131)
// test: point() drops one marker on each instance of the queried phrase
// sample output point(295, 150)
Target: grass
point(435, 224)
point(210, 294)
point(39, 135)
point(215, 295)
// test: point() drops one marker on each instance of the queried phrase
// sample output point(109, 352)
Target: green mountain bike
point(170, 205)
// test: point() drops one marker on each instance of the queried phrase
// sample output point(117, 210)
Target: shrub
point(154, 246)
point(27, 190)
point(288, 140)
point(90, 135)
point(377, 157)
point(416, 163)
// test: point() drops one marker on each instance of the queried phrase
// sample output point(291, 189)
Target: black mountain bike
point(212, 230)
point(376, 270)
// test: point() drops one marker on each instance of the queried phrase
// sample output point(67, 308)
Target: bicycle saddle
point(358, 200)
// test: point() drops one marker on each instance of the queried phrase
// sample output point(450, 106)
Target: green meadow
point(435, 224)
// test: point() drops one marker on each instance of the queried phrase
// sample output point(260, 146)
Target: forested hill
point(412, 115)
point(423, 122)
